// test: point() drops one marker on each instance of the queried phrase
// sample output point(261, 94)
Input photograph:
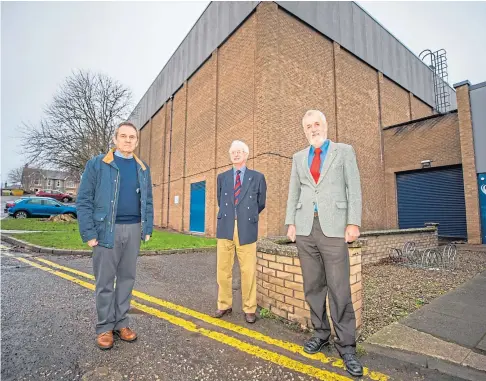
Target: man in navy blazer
point(241, 197)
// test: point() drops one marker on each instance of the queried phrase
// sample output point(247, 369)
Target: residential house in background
point(34, 179)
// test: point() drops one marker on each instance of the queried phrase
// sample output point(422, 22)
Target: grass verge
point(159, 241)
point(33, 224)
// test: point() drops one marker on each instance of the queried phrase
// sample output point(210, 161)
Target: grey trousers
point(325, 269)
point(112, 304)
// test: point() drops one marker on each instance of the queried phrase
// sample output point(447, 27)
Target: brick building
point(249, 71)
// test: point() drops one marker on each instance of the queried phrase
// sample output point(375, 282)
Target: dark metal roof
point(344, 22)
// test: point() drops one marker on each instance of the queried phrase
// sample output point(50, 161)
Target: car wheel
point(21, 214)
point(65, 199)
point(73, 215)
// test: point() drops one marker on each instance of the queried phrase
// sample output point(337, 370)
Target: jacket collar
point(110, 157)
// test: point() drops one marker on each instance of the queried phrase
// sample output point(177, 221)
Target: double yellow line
point(254, 350)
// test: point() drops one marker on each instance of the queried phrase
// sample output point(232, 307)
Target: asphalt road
point(48, 318)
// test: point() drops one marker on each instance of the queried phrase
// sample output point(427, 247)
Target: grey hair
point(129, 124)
point(312, 112)
point(239, 143)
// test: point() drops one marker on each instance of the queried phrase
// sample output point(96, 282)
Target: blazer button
point(248, 207)
point(250, 196)
point(225, 215)
point(248, 219)
point(226, 204)
point(226, 194)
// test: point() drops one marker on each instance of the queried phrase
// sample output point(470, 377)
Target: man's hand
point(291, 233)
point(147, 237)
point(93, 242)
point(352, 233)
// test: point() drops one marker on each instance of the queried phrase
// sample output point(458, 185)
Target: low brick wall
point(378, 243)
point(280, 285)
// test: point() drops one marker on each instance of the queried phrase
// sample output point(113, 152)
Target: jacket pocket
point(342, 204)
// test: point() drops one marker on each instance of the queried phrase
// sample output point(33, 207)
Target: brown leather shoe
point(105, 340)
point(220, 313)
point(250, 318)
point(126, 334)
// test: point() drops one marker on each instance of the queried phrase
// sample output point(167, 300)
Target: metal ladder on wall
point(438, 65)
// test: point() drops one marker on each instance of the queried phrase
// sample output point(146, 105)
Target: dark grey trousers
point(112, 304)
point(325, 269)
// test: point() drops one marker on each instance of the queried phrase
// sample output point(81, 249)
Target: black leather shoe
point(250, 318)
point(221, 313)
point(353, 366)
point(314, 345)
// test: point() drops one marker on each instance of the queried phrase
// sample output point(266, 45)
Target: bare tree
point(78, 124)
point(15, 175)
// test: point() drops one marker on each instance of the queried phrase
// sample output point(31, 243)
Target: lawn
point(37, 224)
point(159, 241)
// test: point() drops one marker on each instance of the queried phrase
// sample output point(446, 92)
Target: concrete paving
point(448, 334)
point(458, 317)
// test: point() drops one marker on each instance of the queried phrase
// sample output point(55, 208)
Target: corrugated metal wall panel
point(433, 195)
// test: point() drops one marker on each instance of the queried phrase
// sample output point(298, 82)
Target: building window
point(37, 181)
point(49, 182)
point(58, 183)
point(70, 184)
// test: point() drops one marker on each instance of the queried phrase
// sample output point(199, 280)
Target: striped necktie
point(237, 187)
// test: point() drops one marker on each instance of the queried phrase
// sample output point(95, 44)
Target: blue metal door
point(482, 203)
point(198, 207)
point(433, 195)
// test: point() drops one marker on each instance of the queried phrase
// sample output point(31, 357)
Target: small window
point(70, 184)
point(35, 201)
point(58, 183)
point(49, 202)
point(49, 182)
point(37, 182)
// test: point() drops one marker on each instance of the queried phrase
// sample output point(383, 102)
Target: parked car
point(58, 195)
point(40, 207)
point(11, 204)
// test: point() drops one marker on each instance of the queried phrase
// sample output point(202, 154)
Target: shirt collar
point(242, 169)
point(119, 154)
point(323, 147)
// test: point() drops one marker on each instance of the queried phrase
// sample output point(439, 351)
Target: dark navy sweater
point(128, 210)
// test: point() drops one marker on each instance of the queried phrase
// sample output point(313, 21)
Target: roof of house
point(46, 173)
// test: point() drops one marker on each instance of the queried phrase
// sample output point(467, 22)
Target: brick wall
point(145, 142)
point(256, 88)
point(395, 103)
point(177, 169)
point(200, 139)
point(359, 125)
point(419, 108)
point(435, 139)
point(378, 244)
point(157, 163)
point(280, 286)
point(471, 193)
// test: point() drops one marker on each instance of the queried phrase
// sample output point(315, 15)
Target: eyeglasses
point(237, 152)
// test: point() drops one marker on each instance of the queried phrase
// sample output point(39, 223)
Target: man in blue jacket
point(241, 198)
point(115, 212)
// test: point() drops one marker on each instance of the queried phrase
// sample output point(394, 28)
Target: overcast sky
point(42, 42)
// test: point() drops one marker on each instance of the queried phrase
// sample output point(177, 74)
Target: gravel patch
point(392, 291)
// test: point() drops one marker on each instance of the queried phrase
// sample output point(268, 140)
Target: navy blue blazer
point(251, 203)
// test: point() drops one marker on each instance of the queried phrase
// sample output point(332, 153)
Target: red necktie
point(315, 168)
point(237, 188)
